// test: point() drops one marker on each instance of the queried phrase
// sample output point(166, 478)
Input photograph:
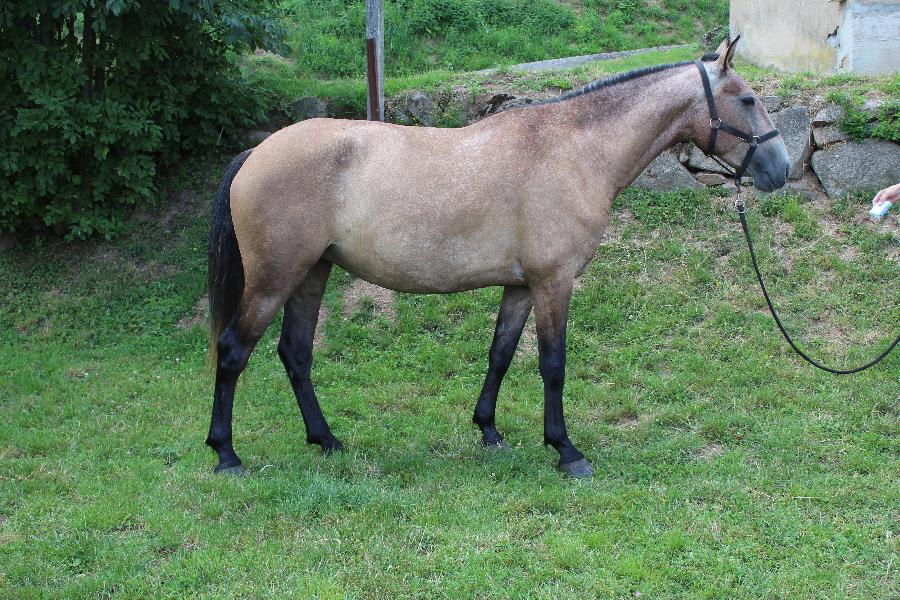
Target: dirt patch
point(187, 202)
point(105, 254)
point(618, 221)
point(319, 338)
point(849, 253)
point(576, 5)
point(197, 315)
point(383, 299)
point(629, 419)
point(528, 341)
point(626, 421)
point(709, 451)
point(153, 269)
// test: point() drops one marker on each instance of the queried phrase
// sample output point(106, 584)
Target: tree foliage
point(97, 95)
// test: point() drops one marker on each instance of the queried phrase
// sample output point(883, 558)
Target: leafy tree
point(97, 95)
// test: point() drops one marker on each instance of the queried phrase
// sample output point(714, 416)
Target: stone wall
point(824, 160)
point(862, 36)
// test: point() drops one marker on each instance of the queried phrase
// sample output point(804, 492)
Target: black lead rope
point(715, 124)
point(739, 205)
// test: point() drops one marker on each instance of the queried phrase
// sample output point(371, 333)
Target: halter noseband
point(715, 124)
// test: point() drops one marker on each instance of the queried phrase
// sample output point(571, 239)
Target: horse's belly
point(428, 266)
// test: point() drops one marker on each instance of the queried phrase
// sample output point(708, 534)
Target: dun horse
point(518, 200)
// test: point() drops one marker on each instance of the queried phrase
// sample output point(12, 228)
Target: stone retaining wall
point(823, 158)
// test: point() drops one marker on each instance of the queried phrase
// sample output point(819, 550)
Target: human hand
point(889, 194)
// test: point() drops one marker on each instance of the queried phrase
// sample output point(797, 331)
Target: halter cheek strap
point(716, 124)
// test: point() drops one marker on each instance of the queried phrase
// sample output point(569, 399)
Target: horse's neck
point(627, 125)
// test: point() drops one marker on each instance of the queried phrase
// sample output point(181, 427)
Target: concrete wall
point(875, 32)
point(819, 35)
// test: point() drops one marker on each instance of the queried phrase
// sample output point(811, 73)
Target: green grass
point(725, 468)
point(437, 43)
point(326, 36)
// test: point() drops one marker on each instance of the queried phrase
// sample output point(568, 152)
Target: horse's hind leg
point(295, 349)
point(234, 347)
point(514, 310)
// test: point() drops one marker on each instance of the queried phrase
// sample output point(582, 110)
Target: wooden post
point(375, 58)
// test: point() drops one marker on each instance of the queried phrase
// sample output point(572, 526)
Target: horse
point(519, 199)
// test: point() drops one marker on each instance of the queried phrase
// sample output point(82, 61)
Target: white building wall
point(819, 35)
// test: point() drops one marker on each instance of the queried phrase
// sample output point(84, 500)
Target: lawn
point(725, 467)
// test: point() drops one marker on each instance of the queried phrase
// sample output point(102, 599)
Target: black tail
point(226, 271)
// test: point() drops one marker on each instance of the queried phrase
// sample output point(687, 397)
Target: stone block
point(700, 162)
point(666, 173)
point(830, 113)
point(828, 135)
point(796, 131)
point(307, 108)
point(711, 179)
point(850, 167)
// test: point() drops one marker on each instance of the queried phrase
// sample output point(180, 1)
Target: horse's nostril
point(787, 171)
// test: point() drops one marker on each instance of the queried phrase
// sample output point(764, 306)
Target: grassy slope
point(325, 56)
point(463, 35)
point(725, 468)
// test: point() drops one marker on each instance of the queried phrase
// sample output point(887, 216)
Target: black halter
point(715, 124)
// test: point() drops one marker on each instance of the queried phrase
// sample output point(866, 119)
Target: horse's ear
point(726, 53)
point(723, 48)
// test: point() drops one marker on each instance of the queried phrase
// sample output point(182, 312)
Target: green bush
point(547, 16)
point(860, 125)
point(430, 16)
point(96, 97)
point(436, 16)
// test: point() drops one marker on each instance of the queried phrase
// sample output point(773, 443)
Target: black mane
point(621, 78)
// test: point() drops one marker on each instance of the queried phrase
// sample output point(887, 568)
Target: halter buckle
point(715, 123)
point(754, 141)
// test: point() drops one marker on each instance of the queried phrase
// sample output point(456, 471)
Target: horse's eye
point(748, 100)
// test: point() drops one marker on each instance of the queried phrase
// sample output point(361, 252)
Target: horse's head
point(741, 123)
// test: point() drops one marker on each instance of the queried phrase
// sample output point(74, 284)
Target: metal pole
point(375, 59)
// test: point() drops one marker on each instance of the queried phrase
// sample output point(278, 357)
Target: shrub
point(96, 97)
point(547, 16)
point(859, 124)
point(430, 16)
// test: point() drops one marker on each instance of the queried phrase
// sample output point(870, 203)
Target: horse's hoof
point(577, 469)
point(495, 446)
point(237, 470)
point(331, 446)
point(492, 440)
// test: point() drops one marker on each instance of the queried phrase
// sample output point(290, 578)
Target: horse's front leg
point(514, 310)
point(551, 310)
